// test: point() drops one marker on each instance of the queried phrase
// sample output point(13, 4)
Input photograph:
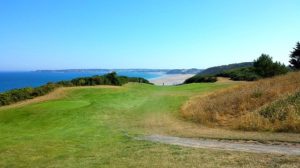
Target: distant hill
point(217, 69)
point(106, 70)
point(184, 71)
point(167, 71)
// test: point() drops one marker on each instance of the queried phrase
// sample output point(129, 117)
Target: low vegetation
point(201, 79)
point(17, 95)
point(267, 104)
point(108, 79)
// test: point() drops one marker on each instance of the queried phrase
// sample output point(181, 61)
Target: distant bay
point(15, 80)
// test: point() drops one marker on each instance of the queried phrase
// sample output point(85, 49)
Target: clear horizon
point(74, 34)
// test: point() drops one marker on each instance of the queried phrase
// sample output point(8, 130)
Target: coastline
point(170, 79)
point(15, 80)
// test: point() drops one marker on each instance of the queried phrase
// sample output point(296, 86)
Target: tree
point(113, 78)
point(265, 67)
point(279, 68)
point(295, 57)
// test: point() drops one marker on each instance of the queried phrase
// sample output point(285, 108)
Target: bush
point(107, 79)
point(17, 95)
point(240, 74)
point(279, 110)
point(201, 79)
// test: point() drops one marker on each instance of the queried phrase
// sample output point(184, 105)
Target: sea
point(16, 80)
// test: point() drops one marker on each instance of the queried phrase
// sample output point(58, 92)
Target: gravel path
point(287, 149)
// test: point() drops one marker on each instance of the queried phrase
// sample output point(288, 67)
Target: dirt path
point(287, 149)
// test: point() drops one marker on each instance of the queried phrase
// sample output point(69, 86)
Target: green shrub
point(107, 79)
point(17, 95)
point(201, 79)
point(280, 109)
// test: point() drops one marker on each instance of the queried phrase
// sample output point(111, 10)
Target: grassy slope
point(239, 107)
point(93, 127)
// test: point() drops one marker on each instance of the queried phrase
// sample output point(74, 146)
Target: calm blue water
point(14, 80)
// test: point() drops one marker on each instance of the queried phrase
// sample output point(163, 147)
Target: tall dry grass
point(240, 107)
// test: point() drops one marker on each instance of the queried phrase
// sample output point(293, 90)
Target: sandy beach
point(171, 79)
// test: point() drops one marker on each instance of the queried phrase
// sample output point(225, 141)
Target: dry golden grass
point(228, 80)
point(167, 124)
point(238, 107)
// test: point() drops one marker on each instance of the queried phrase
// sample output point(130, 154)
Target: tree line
point(17, 95)
point(263, 67)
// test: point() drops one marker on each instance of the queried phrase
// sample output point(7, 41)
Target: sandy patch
point(171, 79)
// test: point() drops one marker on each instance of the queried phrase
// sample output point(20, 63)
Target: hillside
point(270, 104)
point(218, 69)
point(184, 71)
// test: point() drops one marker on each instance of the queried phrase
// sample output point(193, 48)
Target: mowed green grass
point(94, 127)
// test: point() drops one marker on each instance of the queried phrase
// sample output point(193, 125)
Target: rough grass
point(241, 107)
point(94, 126)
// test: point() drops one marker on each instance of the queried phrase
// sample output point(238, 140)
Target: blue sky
point(62, 34)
